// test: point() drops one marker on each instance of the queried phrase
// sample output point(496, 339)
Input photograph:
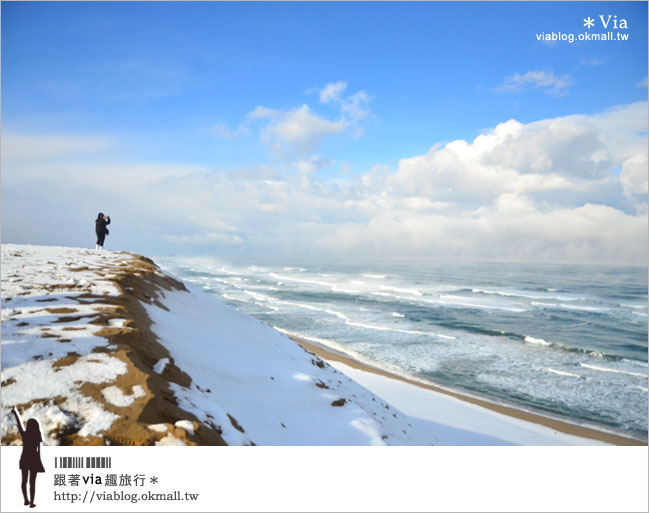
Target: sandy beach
point(555, 424)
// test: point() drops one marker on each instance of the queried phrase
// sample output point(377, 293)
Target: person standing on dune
point(100, 229)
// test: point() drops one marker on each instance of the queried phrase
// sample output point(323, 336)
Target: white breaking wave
point(572, 307)
point(322, 341)
point(413, 292)
point(308, 282)
point(604, 369)
point(473, 305)
point(344, 291)
point(349, 322)
point(338, 314)
point(375, 276)
point(552, 305)
point(300, 305)
point(232, 298)
point(538, 341)
point(385, 294)
point(526, 295)
point(333, 286)
point(327, 343)
point(316, 309)
point(384, 328)
point(227, 271)
point(586, 308)
point(220, 280)
point(258, 297)
point(230, 283)
point(563, 373)
point(395, 314)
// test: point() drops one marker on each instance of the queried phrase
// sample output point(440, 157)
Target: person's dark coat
point(30, 459)
point(100, 225)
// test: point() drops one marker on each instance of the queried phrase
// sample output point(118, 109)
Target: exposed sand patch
point(138, 347)
point(146, 398)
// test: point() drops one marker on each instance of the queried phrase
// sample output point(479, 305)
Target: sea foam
point(563, 373)
point(617, 371)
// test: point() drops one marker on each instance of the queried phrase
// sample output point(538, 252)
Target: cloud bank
point(568, 189)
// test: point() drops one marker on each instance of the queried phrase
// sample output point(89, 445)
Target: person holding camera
point(100, 229)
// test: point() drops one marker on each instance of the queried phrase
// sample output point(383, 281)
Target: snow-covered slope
point(104, 348)
point(278, 392)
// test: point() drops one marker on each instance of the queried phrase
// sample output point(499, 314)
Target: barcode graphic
point(80, 462)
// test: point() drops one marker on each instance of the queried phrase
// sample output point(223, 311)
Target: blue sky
point(329, 99)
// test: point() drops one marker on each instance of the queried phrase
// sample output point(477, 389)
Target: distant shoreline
point(558, 425)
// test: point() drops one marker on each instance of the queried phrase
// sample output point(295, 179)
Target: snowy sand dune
point(76, 348)
point(103, 348)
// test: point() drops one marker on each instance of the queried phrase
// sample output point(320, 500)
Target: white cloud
point(553, 158)
point(221, 130)
point(546, 81)
point(514, 204)
point(634, 175)
point(565, 189)
point(332, 91)
point(642, 83)
point(587, 234)
point(421, 204)
point(261, 112)
point(313, 164)
point(299, 131)
point(354, 107)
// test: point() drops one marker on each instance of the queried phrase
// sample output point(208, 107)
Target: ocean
point(566, 341)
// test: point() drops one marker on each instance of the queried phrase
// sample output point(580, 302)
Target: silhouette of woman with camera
point(101, 229)
point(30, 459)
